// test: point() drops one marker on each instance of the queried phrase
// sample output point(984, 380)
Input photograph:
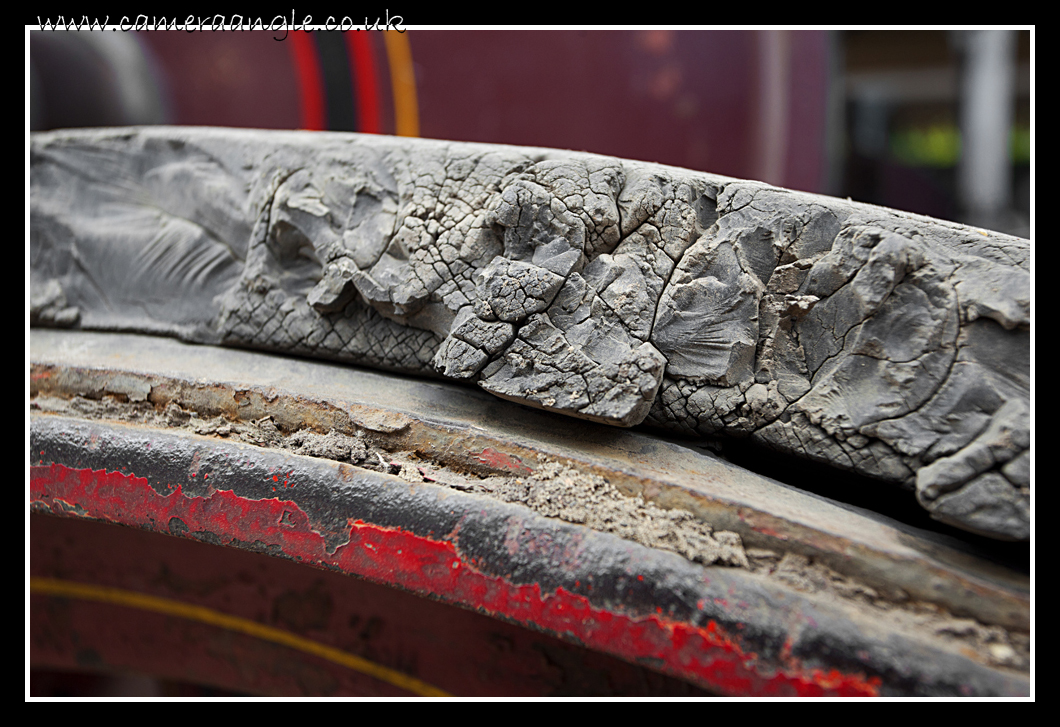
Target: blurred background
point(930, 121)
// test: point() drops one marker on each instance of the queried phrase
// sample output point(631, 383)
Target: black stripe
point(338, 86)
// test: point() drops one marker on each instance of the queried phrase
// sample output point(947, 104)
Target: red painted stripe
point(362, 71)
point(310, 80)
point(707, 655)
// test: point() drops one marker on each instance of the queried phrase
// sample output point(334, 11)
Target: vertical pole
point(988, 101)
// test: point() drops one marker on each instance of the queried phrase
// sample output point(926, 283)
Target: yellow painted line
point(403, 82)
point(169, 607)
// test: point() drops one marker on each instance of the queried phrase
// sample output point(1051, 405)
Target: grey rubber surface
point(880, 342)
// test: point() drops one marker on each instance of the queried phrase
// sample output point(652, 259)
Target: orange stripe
point(403, 81)
point(169, 607)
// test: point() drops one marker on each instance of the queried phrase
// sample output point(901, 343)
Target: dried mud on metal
point(559, 490)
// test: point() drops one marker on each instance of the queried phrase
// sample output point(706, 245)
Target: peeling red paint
point(37, 373)
point(780, 535)
point(500, 460)
point(705, 654)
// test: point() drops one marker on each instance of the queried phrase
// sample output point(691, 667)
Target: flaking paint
point(430, 566)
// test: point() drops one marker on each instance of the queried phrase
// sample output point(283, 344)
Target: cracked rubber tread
point(885, 343)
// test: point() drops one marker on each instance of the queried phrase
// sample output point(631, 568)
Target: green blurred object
point(934, 146)
point(1021, 145)
point(940, 146)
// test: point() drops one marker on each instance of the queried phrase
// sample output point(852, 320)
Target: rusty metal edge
point(510, 439)
point(723, 628)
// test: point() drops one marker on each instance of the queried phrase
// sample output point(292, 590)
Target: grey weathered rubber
point(893, 345)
